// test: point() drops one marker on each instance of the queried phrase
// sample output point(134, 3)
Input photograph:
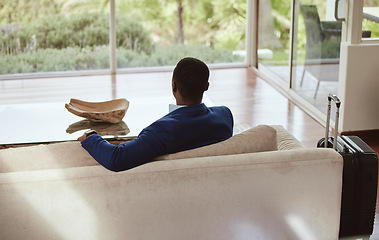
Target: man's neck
point(182, 102)
point(185, 102)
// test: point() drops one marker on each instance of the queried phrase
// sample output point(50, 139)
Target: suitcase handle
point(338, 105)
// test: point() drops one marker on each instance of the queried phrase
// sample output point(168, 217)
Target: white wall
point(359, 74)
point(359, 87)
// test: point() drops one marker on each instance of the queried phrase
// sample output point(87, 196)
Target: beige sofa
point(282, 191)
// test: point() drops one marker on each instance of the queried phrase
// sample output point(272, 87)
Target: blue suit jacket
point(185, 128)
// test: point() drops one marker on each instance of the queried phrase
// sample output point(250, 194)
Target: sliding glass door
point(316, 51)
point(303, 47)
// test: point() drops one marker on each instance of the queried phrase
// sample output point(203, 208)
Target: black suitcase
point(360, 179)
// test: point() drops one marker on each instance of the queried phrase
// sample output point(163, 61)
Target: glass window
point(312, 70)
point(57, 36)
point(50, 36)
point(370, 23)
point(159, 33)
point(315, 70)
point(274, 37)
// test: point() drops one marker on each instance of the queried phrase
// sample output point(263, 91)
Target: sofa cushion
point(257, 139)
point(286, 141)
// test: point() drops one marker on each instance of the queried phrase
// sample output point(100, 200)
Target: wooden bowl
point(110, 111)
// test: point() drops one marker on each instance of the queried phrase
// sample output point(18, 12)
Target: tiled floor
point(306, 88)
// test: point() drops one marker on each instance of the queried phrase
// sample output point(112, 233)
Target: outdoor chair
point(322, 46)
point(323, 40)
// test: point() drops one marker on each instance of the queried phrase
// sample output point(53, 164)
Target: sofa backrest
point(70, 154)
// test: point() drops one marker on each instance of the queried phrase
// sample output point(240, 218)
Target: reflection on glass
point(103, 128)
point(160, 33)
point(50, 36)
point(370, 23)
point(315, 69)
point(322, 47)
point(274, 37)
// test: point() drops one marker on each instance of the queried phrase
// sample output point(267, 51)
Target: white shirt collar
point(172, 107)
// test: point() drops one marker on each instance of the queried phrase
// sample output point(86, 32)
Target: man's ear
point(174, 88)
point(206, 88)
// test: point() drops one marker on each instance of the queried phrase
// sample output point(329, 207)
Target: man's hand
point(86, 135)
point(82, 138)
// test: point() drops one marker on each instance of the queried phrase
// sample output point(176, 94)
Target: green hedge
point(171, 55)
point(60, 32)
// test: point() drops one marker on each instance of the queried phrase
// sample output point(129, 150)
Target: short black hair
point(191, 77)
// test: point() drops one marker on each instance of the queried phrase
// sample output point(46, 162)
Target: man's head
point(190, 79)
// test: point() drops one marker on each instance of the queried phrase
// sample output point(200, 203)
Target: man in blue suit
point(190, 126)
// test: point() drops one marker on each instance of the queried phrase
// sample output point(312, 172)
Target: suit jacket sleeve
point(127, 155)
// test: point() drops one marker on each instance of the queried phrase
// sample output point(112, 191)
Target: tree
point(24, 11)
point(266, 30)
point(180, 31)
